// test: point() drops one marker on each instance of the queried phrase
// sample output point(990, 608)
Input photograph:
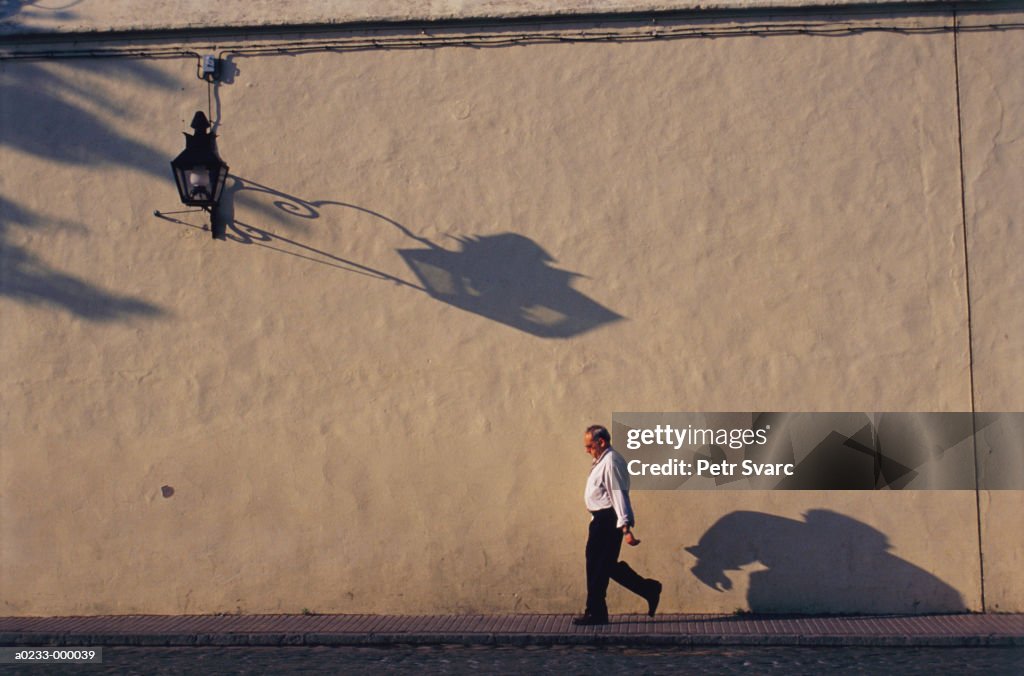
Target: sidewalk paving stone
point(363, 630)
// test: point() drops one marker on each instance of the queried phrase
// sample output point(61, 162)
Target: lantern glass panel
point(220, 175)
point(199, 181)
point(179, 178)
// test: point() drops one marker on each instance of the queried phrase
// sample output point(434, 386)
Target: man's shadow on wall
point(507, 278)
point(829, 563)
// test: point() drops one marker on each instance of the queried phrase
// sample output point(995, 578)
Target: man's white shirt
point(608, 486)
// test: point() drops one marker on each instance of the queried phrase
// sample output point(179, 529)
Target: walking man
point(607, 498)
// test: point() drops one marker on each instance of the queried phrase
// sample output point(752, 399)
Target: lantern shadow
point(507, 278)
point(827, 563)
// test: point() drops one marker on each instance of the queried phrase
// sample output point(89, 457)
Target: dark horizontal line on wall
point(394, 40)
point(252, 32)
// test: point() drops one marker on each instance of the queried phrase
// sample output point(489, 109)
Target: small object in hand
point(632, 540)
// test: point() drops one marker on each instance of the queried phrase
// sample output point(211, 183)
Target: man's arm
point(617, 481)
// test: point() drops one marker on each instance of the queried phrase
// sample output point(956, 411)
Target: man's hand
point(631, 540)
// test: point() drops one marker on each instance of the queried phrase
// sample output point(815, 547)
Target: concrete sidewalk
point(365, 630)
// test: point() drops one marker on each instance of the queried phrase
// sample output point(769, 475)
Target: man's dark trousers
point(604, 542)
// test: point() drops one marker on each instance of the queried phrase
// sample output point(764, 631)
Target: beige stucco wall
point(775, 220)
point(102, 16)
point(993, 121)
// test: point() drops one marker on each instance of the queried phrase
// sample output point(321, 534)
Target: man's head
point(595, 440)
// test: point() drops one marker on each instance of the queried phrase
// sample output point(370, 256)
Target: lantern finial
point(199, 122)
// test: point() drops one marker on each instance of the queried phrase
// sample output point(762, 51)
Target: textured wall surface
point(993, 124)
point(89, 16)
point(441, 265)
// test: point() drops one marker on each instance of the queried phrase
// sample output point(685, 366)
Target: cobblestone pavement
point(564, 659)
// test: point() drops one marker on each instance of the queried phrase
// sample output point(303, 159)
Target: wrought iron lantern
point(199, 171)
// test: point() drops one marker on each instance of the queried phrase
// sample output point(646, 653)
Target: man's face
point(594, 447)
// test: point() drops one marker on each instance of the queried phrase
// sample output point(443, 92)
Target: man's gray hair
point(600, 432)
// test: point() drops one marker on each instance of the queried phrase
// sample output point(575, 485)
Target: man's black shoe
point(589, 620)
point(653, 597)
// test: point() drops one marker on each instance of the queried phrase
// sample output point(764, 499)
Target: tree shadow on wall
point(25, 278)
point(10, 8)
point(507, 278)
point(73, 127)
point(827, 563)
